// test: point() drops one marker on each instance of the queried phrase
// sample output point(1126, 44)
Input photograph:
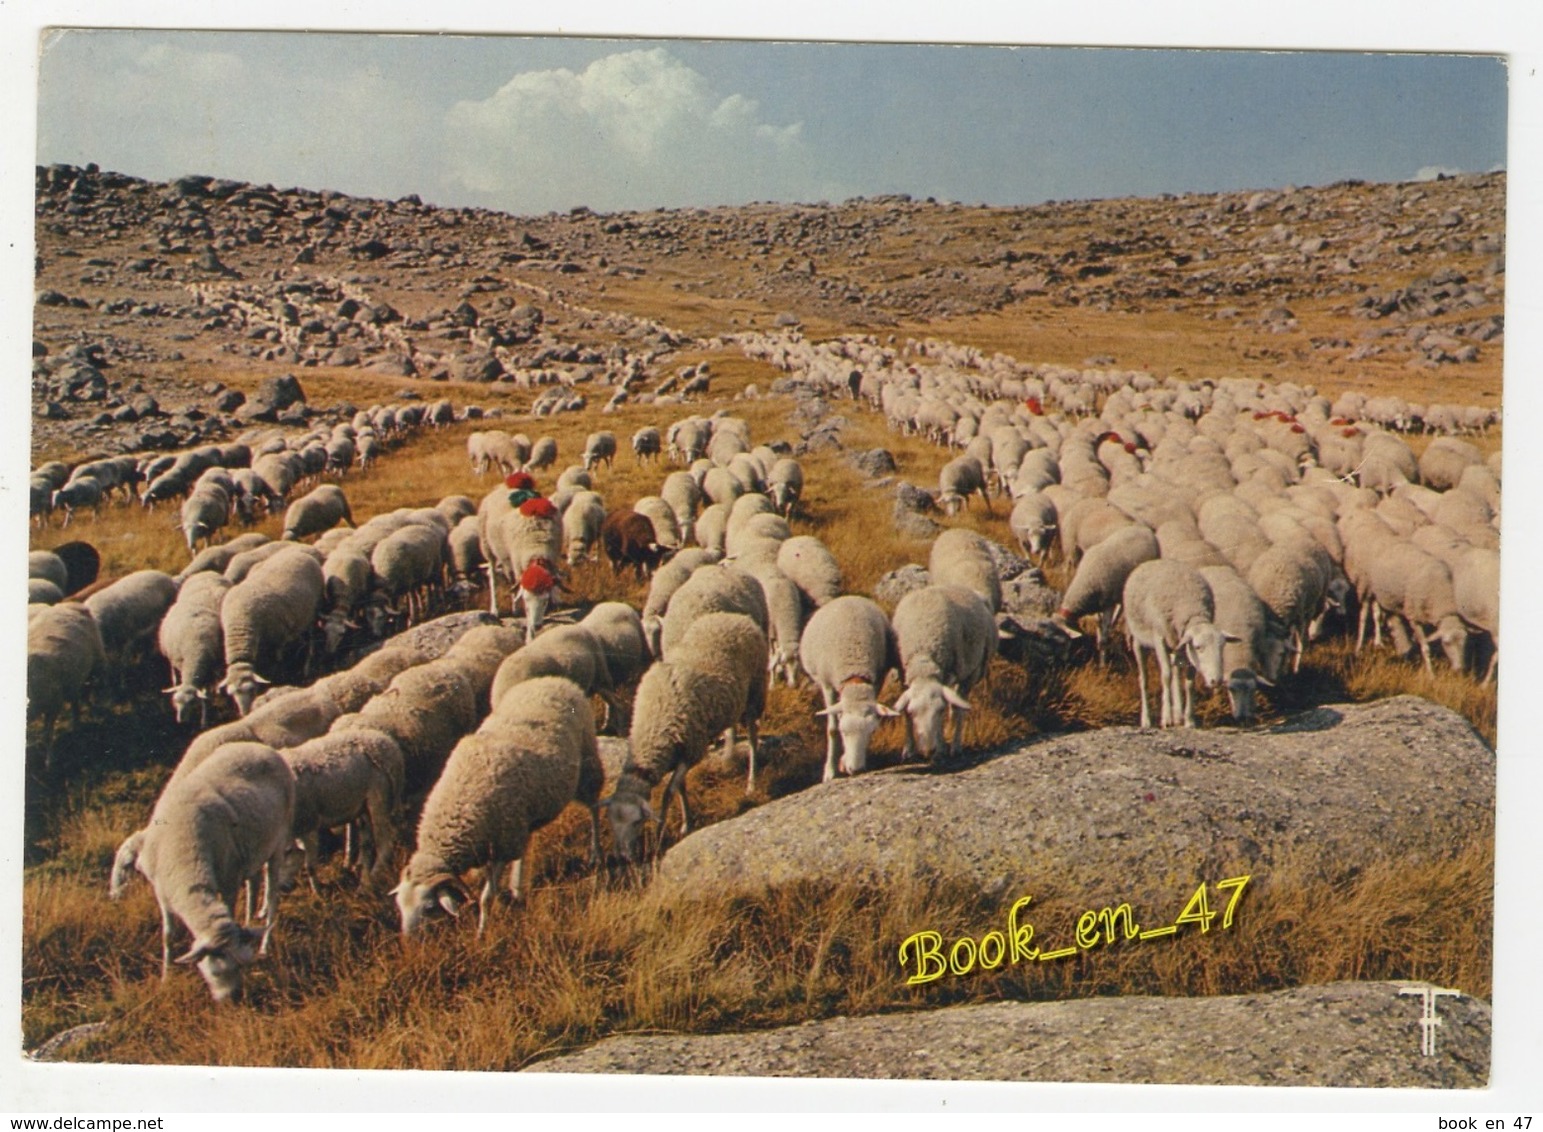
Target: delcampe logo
point(1428, 1019)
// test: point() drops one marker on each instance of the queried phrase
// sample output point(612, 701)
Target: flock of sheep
point(1222, 524)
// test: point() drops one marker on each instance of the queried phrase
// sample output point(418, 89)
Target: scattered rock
point(873, 463)
point(897, 583)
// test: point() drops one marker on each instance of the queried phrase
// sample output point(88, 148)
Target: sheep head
point(628, 814)
point(242, 683)
point(857, 715)
point(927, 702)
point(1202, 646)
point(221, 957)
point(417, 899)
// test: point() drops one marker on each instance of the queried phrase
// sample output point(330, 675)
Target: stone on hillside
point(894, 585)
point(873, 463)
point(475, 367)
point(1119, 814)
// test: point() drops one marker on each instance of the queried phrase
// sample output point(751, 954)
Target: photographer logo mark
point(1428, 1019)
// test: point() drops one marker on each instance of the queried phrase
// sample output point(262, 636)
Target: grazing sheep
point(48, 566)
point(1406, 581)
point(662, 516)
point(214, 830)
point(480, 651)
point(718, 589)
point(717, 681)
point(341, 777)
point(785, 624)
point(320, 510)
point(1476, 587)
point(204, 512)
point(847, 648)
point(809, 565)
point(78, 493)
point(1033, 523)
point(582, 519)
point(426, 709)
point(1257, 655)
point(406, 564)
point(517, 772)
point(630, 540)
point(619, 629)
point(961, 478)
point(246, 561)
point(684, 496)
point(600, 447)
point(64, 651)
point(543, 454)
point(946, 638)
point(193, 643)
point(1169, 609)
point(218, 558)
point(963, 558)
point(266, 614)
point(1292, 578)
point(569, 651)
point(40, 591)
point(785, 482)
point(646, 444)
point(128, 612)
point(1099, 584)
point(711, 527)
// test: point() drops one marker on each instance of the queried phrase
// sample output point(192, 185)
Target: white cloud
point(632, 130)
point(1434, 172)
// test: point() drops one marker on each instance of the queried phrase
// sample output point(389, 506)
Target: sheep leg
point(1376, 624)
point(677, 786)
point(1184, 687)
point(517, 879)
point(485, 897)
point(1141, 681)
point(271, 902)
point(1424, 650)
point(165, 938)
point(492, 589)
point(312, 852)
point(1165, 679)
point(1360, 633)
point(831, 731)
point(754, 743)
point(728, 743)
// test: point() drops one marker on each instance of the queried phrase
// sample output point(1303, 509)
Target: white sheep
point(646, 444)
point(1255, 658)
point(1033, 523)
point(961, 478)
point(409, 564)
point(847, 648)
point(684, 495)
point(662, 516)
point(569, 651)
point(711, 527)
point(1099, 583)
point(961, 557)
point(341, 777)
point(530, 758)
point(809, 565)
point(1169, 609)
point(785, 482)
point(129, 610)
point(426, 709)
point(191, 640)
point(581, 526)
point(599, 448)
point(206, 509)
point(346, 576)
point(946, 638)
point(1476, 587)
point(717, 681)
point(543, 454)
point(213, 830)
point(711, 589)
point(319, 510)
point(266, 614)
point(64, 652)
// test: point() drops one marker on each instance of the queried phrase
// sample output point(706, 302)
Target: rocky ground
point(1345, 1035)
point(153, 298)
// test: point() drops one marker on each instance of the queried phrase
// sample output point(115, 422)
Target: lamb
point(341, 777)
point(64, 651)
point(719, 589)
point(320, 510)
point(946, 638)
point(786, 484)
point(810, 566)
point(963, 558)
point(214, 830)
point(717, 681)
point(265, 615)
point(646, 444)
point(517, 772)
point(1169, 609)
point(785, 623)
point(600, 447)
point(961, 478)
point(193, 643)
point(847, 648)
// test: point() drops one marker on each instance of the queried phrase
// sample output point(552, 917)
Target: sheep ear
point(826, 713)
point(955, 698)
point(1263, 683)
point(168, 691)
point(449, 902)
point(887, 712)
point(903, 702)
point(1232, 638)
point(263, 680)
point(200, 948)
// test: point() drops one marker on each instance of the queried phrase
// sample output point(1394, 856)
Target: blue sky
point(531, 124)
